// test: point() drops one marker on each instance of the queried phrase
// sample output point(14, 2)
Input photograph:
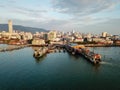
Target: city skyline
point(64, 15)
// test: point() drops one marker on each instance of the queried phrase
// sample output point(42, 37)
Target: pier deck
point(90, 56)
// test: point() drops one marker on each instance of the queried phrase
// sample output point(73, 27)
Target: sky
point(86, 16)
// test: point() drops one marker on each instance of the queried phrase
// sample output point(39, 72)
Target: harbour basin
point(59, 70)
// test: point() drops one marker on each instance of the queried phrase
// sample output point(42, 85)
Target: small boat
point(40, 52)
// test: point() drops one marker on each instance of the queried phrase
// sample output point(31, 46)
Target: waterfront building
point(52, 35)
point(104, 34)
point(89, 39)
point(108, 42)
point(45, 36)
point(5, 35)
point(38, 42)
point(115, 37)
point(77, 34)
point(69, 33)
point(62, 33)
point(37, 35)
point(59, 34)
point(27, 36)
point(88, 35)
point(79, 40)
point(15, 36)
point(117, 42)
point(73, 31)
point(41, 34)
point(56, 39)
point(70, 38)
point(0, 35)
point(98, 39)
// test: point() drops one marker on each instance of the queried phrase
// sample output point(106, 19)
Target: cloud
point(29, 12)
point(18, 9)
point(17, 12)
point(64, 15)
point(82, 7)
point(111, 26)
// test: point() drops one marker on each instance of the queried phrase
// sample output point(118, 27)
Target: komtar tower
point(10, 26)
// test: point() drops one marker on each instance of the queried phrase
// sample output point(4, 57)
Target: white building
point(104, 34)
point(98, 40)
point(27, 36)
point(52, 35)
point(38, 42)
point(79, 40)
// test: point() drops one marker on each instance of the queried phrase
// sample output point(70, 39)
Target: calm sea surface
point(19, 70)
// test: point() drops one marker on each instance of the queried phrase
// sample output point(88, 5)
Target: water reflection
point(59, 70)
point(35, 48)
point(74, 57)
point(96, 68)
point(38, 60)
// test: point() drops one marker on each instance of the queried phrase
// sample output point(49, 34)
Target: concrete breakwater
point(12, 47)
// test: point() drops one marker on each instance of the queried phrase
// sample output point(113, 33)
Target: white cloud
point(83, 7)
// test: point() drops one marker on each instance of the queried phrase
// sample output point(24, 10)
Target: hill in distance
point(4, 27)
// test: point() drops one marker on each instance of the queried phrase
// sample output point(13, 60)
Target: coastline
point(101, 45)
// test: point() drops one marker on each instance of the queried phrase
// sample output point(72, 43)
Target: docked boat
point(40, 52)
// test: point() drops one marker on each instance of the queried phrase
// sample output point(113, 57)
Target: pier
point(82, 51)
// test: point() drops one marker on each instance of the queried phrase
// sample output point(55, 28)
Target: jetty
point(84, 52)
point(80, 50)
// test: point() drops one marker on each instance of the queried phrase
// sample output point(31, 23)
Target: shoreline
point(86, 45)
point(101, 45)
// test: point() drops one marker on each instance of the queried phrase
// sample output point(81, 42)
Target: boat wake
point(106, 63)
point(110, 64)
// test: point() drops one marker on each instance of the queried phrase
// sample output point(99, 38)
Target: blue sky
point(93, 16)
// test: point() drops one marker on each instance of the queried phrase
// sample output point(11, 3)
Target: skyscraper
point(10, 26)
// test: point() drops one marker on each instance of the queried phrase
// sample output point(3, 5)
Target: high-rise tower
point(10, 26)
